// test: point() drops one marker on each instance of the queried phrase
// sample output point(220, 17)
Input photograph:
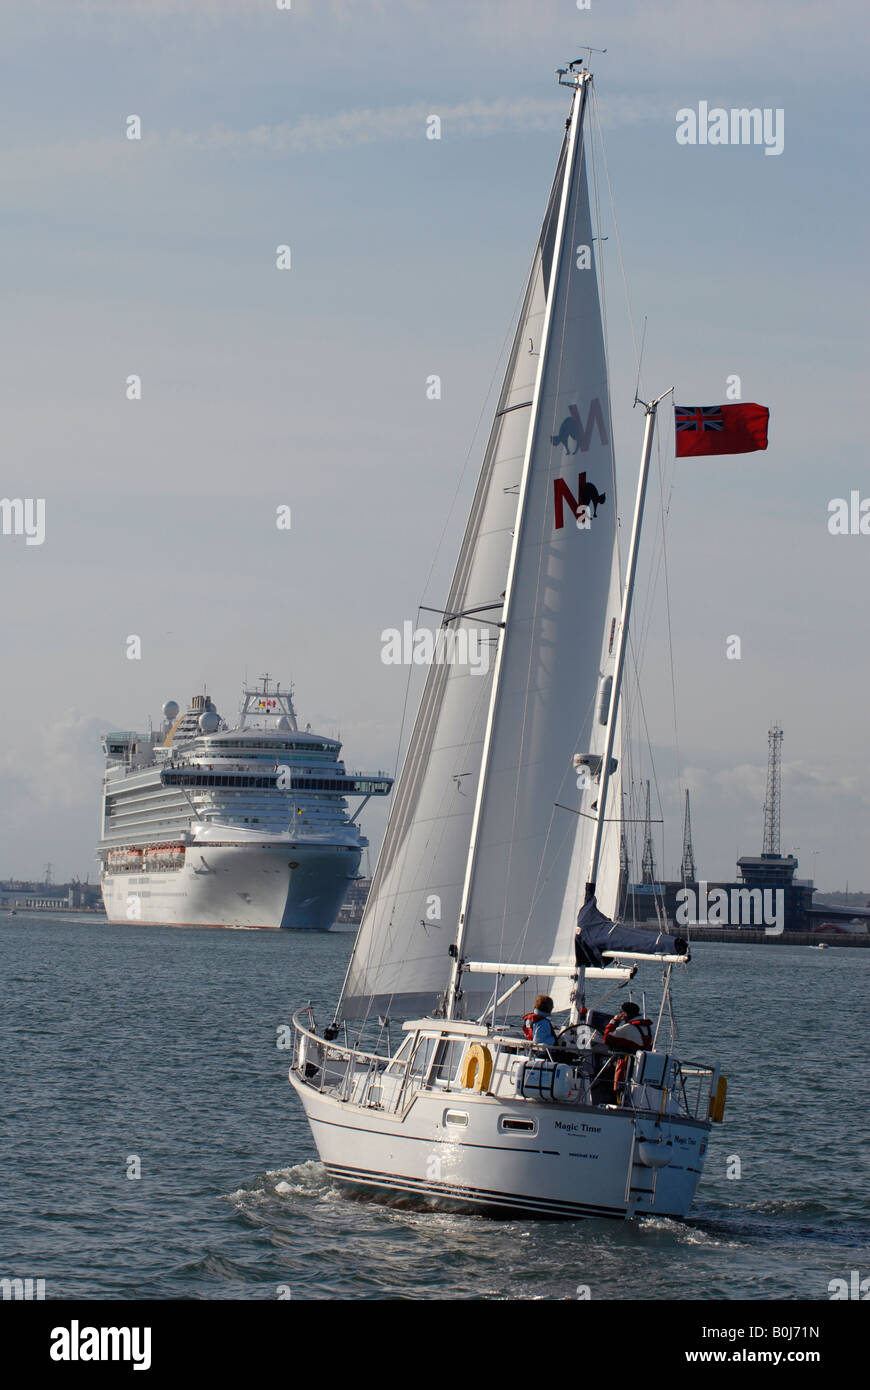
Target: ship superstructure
point(214, 824)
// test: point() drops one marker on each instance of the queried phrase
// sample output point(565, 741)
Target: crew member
point(537, 1025)
point(627, 1033)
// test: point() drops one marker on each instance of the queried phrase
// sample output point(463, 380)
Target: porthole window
point(457, 1118)
point(510, 1124)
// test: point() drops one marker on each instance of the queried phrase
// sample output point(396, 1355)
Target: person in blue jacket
point(537, 1025)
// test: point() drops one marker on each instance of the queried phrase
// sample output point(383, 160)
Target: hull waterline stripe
point(490, 1197)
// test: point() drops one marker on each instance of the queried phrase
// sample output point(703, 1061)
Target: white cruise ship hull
point(237, 885)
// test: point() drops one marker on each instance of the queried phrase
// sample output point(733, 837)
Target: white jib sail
point(525, 877)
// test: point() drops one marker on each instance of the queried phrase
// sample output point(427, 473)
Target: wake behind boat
point(424, 1082)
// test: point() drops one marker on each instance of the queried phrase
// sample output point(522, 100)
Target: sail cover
point(497, 751)
point(597, 933)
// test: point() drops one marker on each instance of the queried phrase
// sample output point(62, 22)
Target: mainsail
point(478, 830)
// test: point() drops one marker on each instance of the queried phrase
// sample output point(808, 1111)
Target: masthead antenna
point(576, 69)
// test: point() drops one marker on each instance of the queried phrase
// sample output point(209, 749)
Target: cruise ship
point(245, 825)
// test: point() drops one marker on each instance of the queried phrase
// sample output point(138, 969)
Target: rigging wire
point(627, 738)
point(677, 758)
point(596, 108)
point(595, 127)
point(664, 509)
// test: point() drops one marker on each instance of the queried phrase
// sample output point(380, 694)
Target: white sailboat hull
point(580, 1162)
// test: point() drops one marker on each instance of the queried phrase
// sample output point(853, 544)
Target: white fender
point(654, 1150)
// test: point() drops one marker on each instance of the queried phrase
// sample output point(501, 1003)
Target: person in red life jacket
point(627, 1033)
point(537, 1025)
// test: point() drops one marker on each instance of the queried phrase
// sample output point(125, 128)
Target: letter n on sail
point(562, 494)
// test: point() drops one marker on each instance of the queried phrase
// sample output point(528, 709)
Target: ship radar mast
point(267, 705)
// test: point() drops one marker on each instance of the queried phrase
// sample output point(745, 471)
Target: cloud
point(51, 796)
point(309, 134)
point(369, 125)
point(61, 766)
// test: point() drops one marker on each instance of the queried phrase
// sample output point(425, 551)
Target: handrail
point(524, 1043)
point(335, 1047)
point(698, 1069)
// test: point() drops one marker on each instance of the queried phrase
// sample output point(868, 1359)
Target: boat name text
point(578, 1128)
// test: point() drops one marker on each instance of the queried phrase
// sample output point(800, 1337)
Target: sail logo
point(739, 126)
point(447, 647)
point(24, 517)
point(573, 429)
point(746, 907)
point(587, 496)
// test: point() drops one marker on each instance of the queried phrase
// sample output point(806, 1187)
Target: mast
point(581, 82)
point(628, 596)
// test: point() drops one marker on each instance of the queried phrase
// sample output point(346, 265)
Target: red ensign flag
point(720, 429)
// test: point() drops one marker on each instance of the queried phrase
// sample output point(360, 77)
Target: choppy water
point(161, 1043)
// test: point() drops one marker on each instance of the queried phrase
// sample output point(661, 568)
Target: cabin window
point(510, 1124)
point(398, 1063)
point(447, 1058)
point(458, 1118)
point(423, 1057)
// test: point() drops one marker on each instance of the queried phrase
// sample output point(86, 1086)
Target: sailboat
point(425, 1084)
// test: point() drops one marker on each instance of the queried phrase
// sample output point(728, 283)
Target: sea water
point(152, 1147)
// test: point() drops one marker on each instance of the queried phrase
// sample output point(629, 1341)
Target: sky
point(260, 388)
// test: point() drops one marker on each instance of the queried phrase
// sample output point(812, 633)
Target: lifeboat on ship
point(124, 860)
point(164, 857)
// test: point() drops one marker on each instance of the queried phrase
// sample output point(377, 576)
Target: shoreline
point(758, 937)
